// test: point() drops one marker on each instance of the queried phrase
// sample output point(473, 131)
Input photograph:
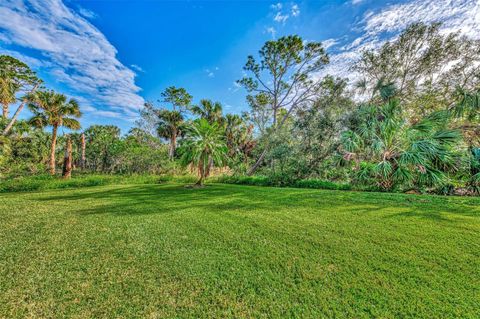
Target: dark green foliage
point(204, 147)
point(392, 152)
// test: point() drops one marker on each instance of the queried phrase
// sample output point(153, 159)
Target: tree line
point(406, 120)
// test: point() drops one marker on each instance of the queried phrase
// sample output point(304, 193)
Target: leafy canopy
point(53, 109)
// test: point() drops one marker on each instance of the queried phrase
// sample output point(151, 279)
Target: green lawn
point(228, 251)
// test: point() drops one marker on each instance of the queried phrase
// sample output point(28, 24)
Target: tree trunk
point(82, 158)
point(52, 150)
point(67, 160)
point(201, 172)
point(275, 129)
point(17, 112)
point(173, 145)
point(257, 163)
point(209, 167)
point(5, 110)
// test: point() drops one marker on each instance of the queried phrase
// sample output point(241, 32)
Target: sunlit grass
point(156, 251)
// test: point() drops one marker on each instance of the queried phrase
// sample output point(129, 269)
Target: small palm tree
point(204, 145)
point(170, 126)
point(53, 109)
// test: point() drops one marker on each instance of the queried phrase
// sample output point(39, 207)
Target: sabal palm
point(233, 131)
point(204, 145)
point(53, 109)
point(211, 111)
point(170, 126)
point(392, 151)
point(468, 106)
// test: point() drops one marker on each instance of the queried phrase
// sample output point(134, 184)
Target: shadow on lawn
point(158, 199)
point(164, 199)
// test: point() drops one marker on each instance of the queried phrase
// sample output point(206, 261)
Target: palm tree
point(211, 111)
point(233, 132)
point(238, 136)
point(53, 109)
point(204, 145)
point(170, 126)
point(468, 106)
point(392, 151)
point(67, 160)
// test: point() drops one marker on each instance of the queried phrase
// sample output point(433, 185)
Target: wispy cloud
point(211, 72)
point(272, 31)
point(279, 17)
point(282, 14)
point(87, 13)
point(137, 68)
point(355, 2)
point(277, 6)
point(73, 50)
point(295, 10)
point(329, 43)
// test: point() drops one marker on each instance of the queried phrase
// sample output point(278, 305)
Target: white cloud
point(329, 43)
point(279, 17)
point(295, 10)
point(211, 73)
point(272, 31)
point(277, 6)
point(235, 87)
point(87, 13)
point(137, 68)
point(355, 2)
point(109, 114)
point(74, 51)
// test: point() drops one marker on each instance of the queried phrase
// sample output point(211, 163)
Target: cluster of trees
point(208, 138)
point(409, 121)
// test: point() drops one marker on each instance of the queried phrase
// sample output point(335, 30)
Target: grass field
point(229, 251)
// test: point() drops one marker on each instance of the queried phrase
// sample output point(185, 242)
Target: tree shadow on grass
point(156, 199)
point(218, 198)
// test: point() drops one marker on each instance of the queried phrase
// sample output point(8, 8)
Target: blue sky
point(115, 55)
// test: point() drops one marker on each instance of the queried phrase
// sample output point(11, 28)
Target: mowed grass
point(229, 251)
